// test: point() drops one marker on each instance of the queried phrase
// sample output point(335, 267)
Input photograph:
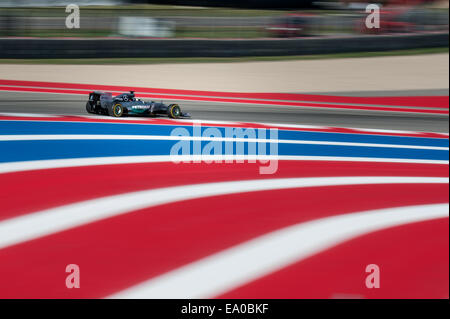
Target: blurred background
point(217, 19)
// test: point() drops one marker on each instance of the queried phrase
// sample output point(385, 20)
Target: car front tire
point(174, 111)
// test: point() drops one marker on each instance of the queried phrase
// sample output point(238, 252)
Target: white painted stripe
point(185, 121)
point(152, 121)
point(419, 133)
point(289, 125)
point(236, 266)
point(48, 137)
point(27, 115)
point(123, 120)
point(332, 128)
point(129, 118)
point(11, 167)
point(206, 122)
point(385, 131)
point(188, 122)
point(38, 224)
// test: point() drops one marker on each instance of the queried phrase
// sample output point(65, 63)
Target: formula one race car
point(127, 103)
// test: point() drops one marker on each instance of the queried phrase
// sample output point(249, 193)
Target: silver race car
point(128, 104)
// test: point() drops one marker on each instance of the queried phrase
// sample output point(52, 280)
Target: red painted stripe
point(151, 121)
point(29, 191)
point(229, 100)
point(119, 252)
point(413, 262)
point(43, 90)
point(423, 101)
point(414, 101)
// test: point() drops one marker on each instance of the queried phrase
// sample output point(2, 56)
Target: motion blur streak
point(105, 195)
point(436, 105)
point(195, 138)
point(411, 101)
point(261, 256)
point(170, 236)
point(316, 276)
point(46, 164)
point(16, 230)
point(132, 177)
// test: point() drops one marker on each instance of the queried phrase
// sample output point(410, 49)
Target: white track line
point(12, 167)
point(63, 137)
point(152, 121)
point(186, 121)
point(256, 258)
point(373, 130)
point(38, 224)
point(28, 115)
point(189, 122)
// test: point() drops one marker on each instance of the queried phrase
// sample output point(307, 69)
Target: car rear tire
point(116, 110)
point(89, 108)
point(174, 111)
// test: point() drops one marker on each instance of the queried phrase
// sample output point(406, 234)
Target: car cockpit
point(126, 97)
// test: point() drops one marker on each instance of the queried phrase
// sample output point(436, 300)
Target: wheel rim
point(176, 111)
point(118, 110)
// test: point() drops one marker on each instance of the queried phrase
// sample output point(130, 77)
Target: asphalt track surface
point(66, 104)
